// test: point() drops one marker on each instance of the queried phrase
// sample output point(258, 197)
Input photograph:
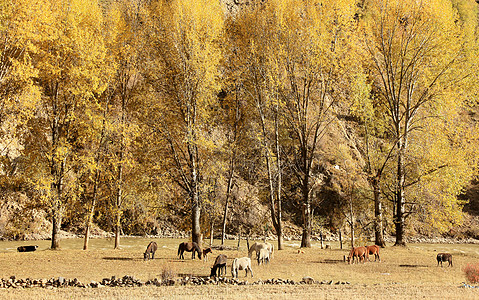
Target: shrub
point(472, 272)
point(167, 273)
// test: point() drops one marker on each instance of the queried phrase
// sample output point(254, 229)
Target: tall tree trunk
point(195, 218)
point(119, 179)
point(228, 194)
point(340, 240)
point(223, 223)
point(58, 206)
point(89, 219)
point(211, 233)
point(278, 224)
point(118, 206)
point(57, 222)
point(306, 238)
point(196, 206)
point(91, 213)
point(378, 217)
point(351, 219)
point(274, 192)
point(399, 195)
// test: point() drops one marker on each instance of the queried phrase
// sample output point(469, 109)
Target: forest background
point(239, 117)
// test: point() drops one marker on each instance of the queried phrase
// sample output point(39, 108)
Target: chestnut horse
point(374, 249)
point(358, 253)
point(444, 257)
point(189, 247)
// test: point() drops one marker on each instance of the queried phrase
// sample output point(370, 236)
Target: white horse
point(256, 247)
point(263, 257)
point(243, 263)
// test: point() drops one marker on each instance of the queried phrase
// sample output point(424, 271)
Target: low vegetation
point(472, 273)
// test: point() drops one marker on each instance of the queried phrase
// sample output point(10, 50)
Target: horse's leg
point(153, 255)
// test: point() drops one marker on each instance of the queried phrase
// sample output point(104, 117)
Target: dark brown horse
point(205, 253)
point(219, 267)
point(443, 257)
point(152, 247)
point(189, 247)
point(359, 254)
point(374, 249)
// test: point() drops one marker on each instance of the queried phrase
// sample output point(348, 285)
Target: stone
point(308, 280)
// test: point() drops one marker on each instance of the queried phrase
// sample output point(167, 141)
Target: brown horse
point(444, 257)
point(205, 253)
point(189, 247)
point(219, 266)
point(358, 253)
point(152, 247)
point(374, 249)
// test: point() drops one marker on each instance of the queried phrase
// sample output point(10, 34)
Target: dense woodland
point(238, 117)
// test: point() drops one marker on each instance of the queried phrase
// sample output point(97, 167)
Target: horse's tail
point(350, 256)
point(179, 249)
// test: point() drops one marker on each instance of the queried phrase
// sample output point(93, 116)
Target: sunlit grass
point(414, 266)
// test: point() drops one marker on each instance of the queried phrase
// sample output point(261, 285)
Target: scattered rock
point(308, 280)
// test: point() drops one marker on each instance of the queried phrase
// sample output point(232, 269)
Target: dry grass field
point(404, 273)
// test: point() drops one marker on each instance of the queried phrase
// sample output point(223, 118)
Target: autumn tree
point(313, 56)
point(253, 61)
point(69, 64)
point(18, 94)
point(418, 60)
point(376, 150)
point(184, 76)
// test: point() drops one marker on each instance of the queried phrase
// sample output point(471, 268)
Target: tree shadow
point(121, 258)
point(332, 261)
point(413, 266)
point(191, 275)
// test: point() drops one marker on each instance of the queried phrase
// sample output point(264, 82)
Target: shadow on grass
point(121, 258)
point(191, 275)
point(413, 266)
point(139, 258)
point(332, 261)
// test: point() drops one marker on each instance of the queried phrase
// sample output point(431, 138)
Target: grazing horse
point(243, 263)
point(358, 253)
point(256, 247)
point(205, 253)
point(219, 265)
point(374, 249)
point(263, 257)
point(152, 247)
point(27, 248)
point(444, 257)
point(189, 247)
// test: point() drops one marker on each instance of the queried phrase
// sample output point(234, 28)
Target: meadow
point(405, 273)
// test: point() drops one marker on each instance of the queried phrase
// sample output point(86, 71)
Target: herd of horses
point(264, 253)
point(361, 254)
